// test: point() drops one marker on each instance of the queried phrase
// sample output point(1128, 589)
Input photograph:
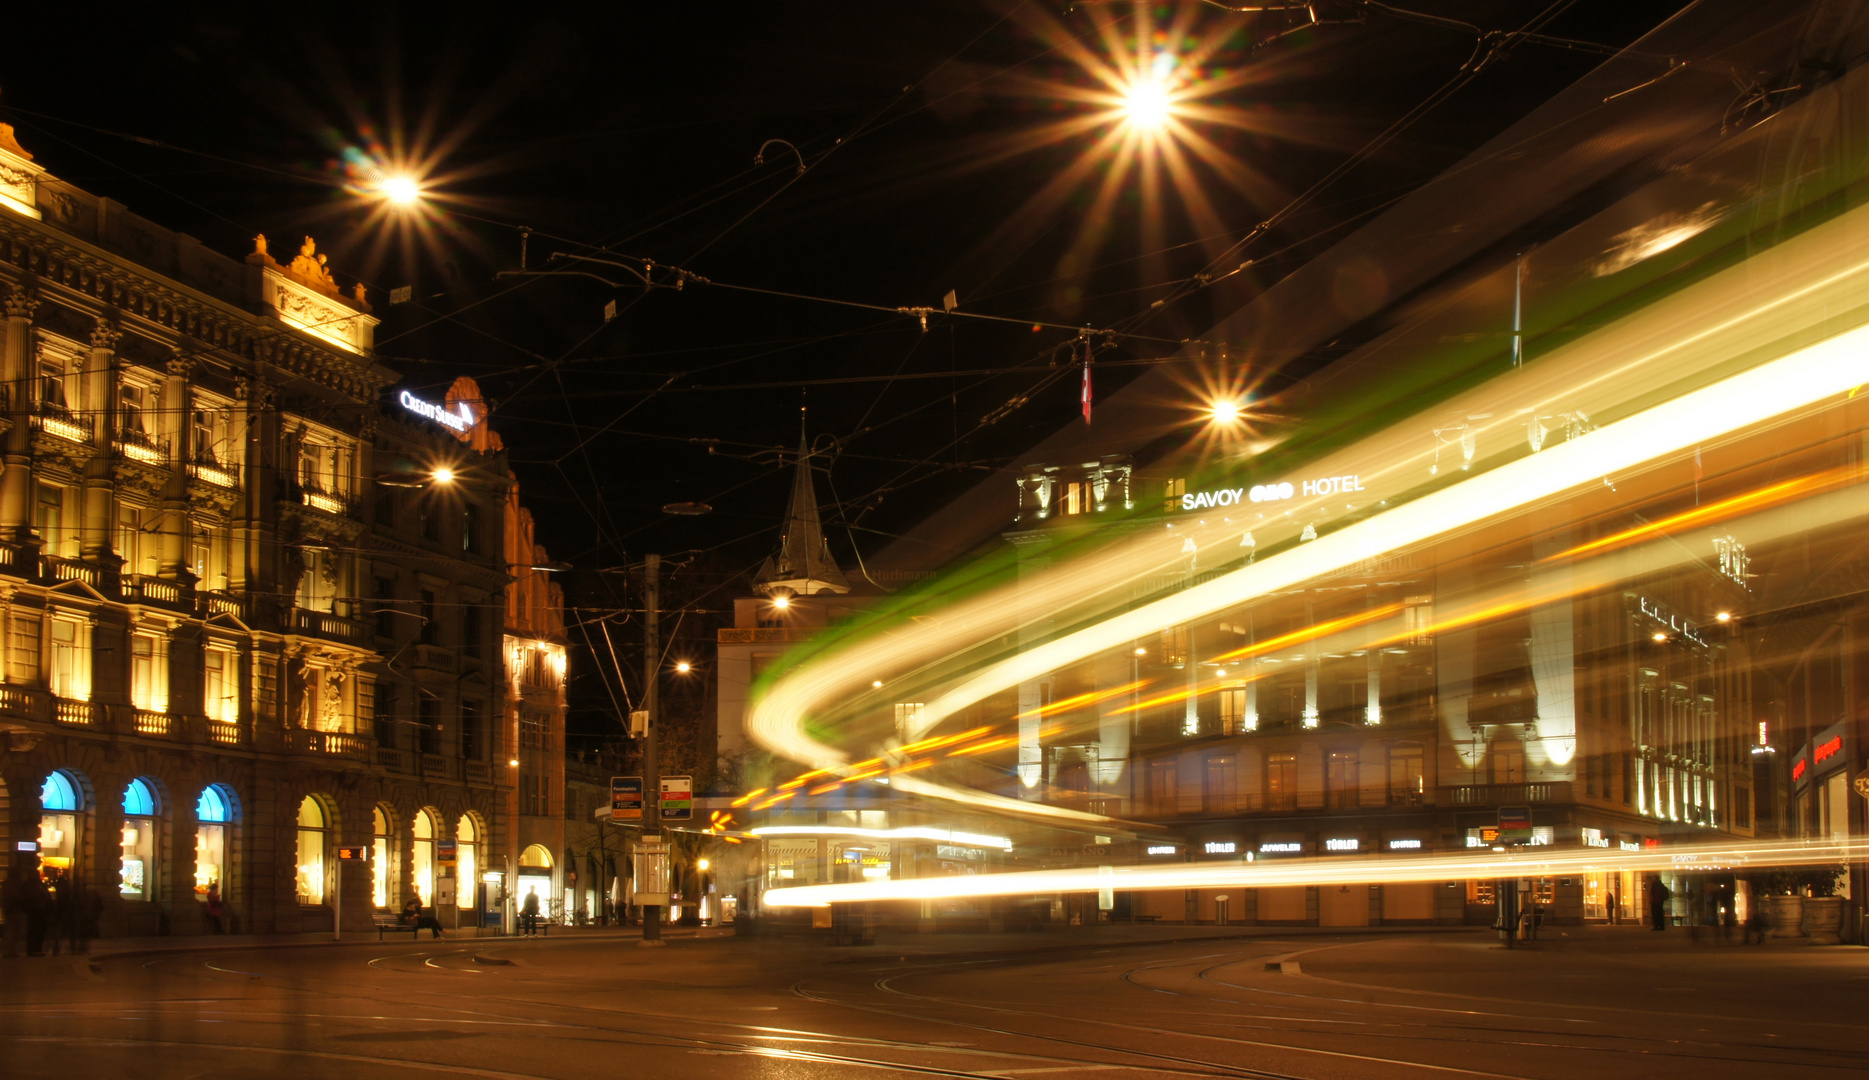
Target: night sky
point(949, 145)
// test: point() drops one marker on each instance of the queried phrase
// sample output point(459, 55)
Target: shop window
point(379, 858)
point(136, 875)
point(467, 861)
point(60, 802)
point(1281, 781)
point(213, 812)
point(1406, 781)
point(422, 861)
point(1479, 892)
point(312, 833)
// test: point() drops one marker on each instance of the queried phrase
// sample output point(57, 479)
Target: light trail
point(1775, 303)
point(1335, 870)
point(1715, 511)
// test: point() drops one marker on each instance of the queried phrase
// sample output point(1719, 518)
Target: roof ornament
point(804, 565)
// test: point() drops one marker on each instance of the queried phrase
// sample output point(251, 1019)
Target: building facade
point(252, 601)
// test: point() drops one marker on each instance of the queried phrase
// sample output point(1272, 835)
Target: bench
point(386, 924)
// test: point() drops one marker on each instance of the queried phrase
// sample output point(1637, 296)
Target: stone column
point(255, 551)
point(16, 371)
point(175, 432)
point(100, 399)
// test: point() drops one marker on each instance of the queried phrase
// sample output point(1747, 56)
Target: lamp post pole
point(651, 765)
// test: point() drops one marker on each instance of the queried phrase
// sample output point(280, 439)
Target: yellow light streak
point(1715, 511)
point(1078, 700)
point(982, 747)
point(749, 797)
point(1309, 633)
point(1331, 871)
point(942, 740)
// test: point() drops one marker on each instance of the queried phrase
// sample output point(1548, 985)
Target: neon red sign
point(1824, 750)
point(1797, 769)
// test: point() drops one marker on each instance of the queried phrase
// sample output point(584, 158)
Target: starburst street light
point(1147, 104)
point(401, 189)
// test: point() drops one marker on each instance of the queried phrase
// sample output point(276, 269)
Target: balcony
point(221, 603)
point(391, 758)
point(766, 635)
point(477, 772)
point(59, 568)
point(326, 625)
point(1505, 794)
point(206, 469)
point(151, 723)
point(77, 713)
point(224, 732)
point(140, 446)
point(336, 743)
point(434, 658)
point(21, 701)
point(19, 561)
point(144, 589)
point(316, 497)
point(55, 420)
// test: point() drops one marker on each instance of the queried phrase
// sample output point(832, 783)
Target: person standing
point(529, 915)
point(1609, 905)
point(13, 908)
point(1658, 905)
point(213, 910)
point(38, 908)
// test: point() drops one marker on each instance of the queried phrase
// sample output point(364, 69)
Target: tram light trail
point(1534, 861)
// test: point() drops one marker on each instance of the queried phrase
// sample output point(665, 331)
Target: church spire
point(803, 565)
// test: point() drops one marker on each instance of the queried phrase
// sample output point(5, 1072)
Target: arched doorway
point(313, 841)
point(467, 862)
point(136, 874)
point(535, 876)
point(380, 866)
point(214, 812)
point(422, 860)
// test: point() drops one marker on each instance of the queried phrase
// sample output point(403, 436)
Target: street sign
point(677, 798)
point(1489, 834)
point(356, 853)
point(447, 852)
point(1515, 823)
point(626, 798)
point(1862, 786)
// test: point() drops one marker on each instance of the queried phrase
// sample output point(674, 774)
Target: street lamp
point(400, 190)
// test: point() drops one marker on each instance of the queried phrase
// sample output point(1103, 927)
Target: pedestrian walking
point(38, 908)
point(1609, 905)
point(60, 911)
point(1755, 922)
point(213, 910)
point(529, 915)
point(1658, 905)
point(13, 909)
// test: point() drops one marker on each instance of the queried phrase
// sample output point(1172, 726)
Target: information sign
point(677, 798)
point(626, 798)
point(1515, 823)
point(447, 852)
point(356, 853)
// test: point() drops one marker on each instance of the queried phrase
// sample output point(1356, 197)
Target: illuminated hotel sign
point(459, 421)
point(1259, 493)
point(1659, 612)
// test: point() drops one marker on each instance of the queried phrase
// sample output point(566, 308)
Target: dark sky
point(630, 133)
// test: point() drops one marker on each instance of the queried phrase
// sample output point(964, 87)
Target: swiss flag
point(1086, 392)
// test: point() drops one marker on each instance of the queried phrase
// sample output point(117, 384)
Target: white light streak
point(940, 836)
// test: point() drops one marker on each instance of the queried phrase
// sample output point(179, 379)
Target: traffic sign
point(626, 798)
point(447, 852)
point(677, 798)
point(1515, 823)
point(354, 853)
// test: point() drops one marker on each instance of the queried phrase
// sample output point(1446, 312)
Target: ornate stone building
point(251, 600)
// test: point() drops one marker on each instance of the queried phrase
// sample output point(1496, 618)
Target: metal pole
point(337, 902)
point(651, 765)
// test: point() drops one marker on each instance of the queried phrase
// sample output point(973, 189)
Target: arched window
point(313, 830)
point(424, 857)
point(467, 865)
point(213, 811)
point(60, 800)
point(379, 858)
point(136, 876)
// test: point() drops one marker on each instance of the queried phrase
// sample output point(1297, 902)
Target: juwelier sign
point(1263, 493)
